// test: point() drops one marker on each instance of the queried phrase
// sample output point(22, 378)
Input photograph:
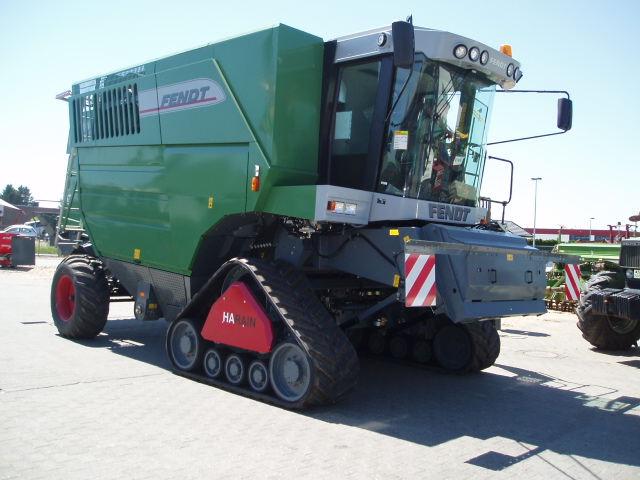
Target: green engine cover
point(163, 151)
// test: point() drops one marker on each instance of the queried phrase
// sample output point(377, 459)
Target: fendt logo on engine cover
point(196, 93)
point(239, 320)
point(448, 212)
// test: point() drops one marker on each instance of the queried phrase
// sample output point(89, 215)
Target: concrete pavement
point(551, 407)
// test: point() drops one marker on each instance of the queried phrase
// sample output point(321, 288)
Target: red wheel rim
point(65, 298)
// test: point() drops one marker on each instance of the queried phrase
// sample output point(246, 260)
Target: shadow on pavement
point(537, 411)
point(142, 341)
point(524, 332)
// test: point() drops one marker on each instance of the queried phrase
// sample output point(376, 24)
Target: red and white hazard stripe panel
point(572, 281)
point(420, 281)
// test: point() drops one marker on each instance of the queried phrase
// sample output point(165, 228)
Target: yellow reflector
point(506, 49)
point(394, 231)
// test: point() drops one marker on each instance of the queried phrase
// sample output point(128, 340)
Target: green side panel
point(184, 58)
point(125, 204)
point(165, 150)
point(276, 77)
point(297, 101)
point(197, 202)
point(218, 123)
point(294, 201)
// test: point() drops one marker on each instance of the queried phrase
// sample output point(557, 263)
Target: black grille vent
point(107, 114)
point(630, 255)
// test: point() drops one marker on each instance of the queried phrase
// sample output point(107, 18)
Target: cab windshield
point(435, 140)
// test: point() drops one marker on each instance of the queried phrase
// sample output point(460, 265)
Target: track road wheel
point(185, 344)
point(290, 372)
point(235, 369)
point(604, 331)
point(466, 348)
point(421, 351)
point(213, 363)
point(80, 297)
point(377, 343)
point(399, 346)
point(258, 376)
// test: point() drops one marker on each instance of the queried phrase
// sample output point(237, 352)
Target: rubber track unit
point(486, 345)
point(310, 324)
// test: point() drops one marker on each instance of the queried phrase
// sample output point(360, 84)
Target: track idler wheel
point(465, 348)
point(185, 345)
point(290, 372)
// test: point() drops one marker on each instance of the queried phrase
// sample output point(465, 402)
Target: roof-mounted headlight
point(516, 74)
point(510, 69)
point(474, 54)
point(484, 58)
point(460, 51)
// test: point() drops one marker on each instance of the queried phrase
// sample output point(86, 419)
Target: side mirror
point(565, 114)
point(403, 44)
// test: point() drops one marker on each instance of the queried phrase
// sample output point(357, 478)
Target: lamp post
point(535, 207)
point(590, 220)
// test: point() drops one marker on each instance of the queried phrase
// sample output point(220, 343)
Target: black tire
point(466, 348)
point(604, 331)
point(80, 297)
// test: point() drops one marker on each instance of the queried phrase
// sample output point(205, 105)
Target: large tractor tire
point(80, 297)
point(466, 348)
point(604, 331)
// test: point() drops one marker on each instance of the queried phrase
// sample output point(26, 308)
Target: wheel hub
point(293, 370)
point(186, 345)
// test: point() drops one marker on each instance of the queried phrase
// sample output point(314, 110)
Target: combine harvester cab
point(282, 201)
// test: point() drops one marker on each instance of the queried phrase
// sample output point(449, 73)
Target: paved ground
point(551, 407)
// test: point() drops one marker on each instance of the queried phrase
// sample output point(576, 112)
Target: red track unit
point(236, 319)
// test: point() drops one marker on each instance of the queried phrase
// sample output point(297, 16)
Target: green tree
point(20, 196)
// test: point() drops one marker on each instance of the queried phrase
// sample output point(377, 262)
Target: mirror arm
point(535, 136)
point(528, 138)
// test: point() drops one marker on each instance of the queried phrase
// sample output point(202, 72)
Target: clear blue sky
point(587, 47)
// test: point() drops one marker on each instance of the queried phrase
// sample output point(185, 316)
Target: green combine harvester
point(282, 201)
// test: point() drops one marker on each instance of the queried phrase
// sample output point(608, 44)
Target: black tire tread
point(486, 345)
point(92, 293)
point(596, 328)
point(335, 362)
